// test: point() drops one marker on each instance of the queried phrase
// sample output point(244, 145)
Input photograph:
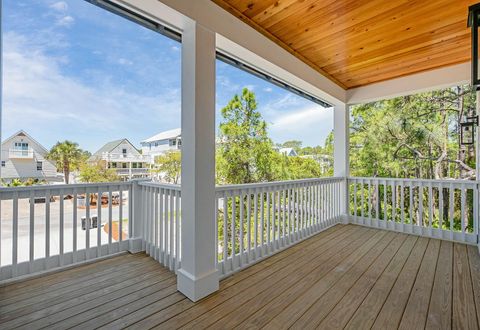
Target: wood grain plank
point(66, 306)
point(342, 259)
point(440, 309)
point(415, 314)
point(365, 315)
point(474, 262)
point(464, 315)
point(89, 284)
point(337, 37)
point(317, 311)
point(346, 307)
point(263, 277)
point(392, 310)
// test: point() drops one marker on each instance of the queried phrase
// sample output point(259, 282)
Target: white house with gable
point(24, 158)
point(162, 142)
point(122, 156)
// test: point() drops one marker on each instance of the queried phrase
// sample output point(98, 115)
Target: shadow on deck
point(348, 276)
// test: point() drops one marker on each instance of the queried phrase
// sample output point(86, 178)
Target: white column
point(340, 152)
point(198, 276)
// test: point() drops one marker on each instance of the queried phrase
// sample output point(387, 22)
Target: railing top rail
point(427, 181)
point(274, 183)
point(160, 185)
point(64, 186)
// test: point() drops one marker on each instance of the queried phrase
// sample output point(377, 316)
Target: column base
point(196, 288)
point(135, 245)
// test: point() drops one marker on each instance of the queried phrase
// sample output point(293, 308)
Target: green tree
point(90, 173)
point(414, 136)
point(245, 153)
point(68, 157)
point(170, 165)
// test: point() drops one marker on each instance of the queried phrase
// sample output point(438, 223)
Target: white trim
point(421, 82)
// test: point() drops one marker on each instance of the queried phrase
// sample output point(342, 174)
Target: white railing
point(18, 153)
point(161, 219)
point(44, 227)
point(125, 157)
point(445, 209)
point(133, 171)
point(258, 220)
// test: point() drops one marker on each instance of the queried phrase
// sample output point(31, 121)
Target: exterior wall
point(157, 148)
point(23, 168)
point(131, 151)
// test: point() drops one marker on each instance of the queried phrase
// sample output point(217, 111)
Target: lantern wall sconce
point(473, 23)
point(467, 131)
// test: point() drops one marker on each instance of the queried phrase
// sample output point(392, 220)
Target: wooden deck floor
point(346, 277)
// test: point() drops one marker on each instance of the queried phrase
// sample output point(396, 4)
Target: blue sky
point(74, 71)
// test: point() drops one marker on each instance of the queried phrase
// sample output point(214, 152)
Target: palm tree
point(68, 156)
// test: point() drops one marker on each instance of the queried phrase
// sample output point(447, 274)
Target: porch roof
point(362, 42)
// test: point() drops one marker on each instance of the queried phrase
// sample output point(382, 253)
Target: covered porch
point(330, 252)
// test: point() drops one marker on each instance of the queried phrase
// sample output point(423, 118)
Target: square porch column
point(340, 153)
point(198, 276)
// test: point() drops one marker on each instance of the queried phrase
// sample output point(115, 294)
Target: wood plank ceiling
point(359, 42)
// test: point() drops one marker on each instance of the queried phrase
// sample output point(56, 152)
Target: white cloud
point(175, 48)
point(66, 21)
point(312, 123)
point(60, 6)
point(39, 97)
point(268, 89)
point(124, 61)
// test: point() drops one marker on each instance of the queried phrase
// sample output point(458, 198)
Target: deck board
point(345, 277)
point(439, 314)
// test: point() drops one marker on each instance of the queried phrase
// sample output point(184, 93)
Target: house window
point(114, 165)
point(124, 152)
point(173, 143)
point(124, 165)
point(39, 166)
point(134, 165)
point(3, 163)
point(179, 143)
point(21, 148)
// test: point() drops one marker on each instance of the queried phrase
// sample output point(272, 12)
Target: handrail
point(275, 183)
point(160, 185)
point(63, 186)
point(453, 181)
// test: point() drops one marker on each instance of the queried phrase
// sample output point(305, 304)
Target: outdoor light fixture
point(473, 22)
point(467, 131)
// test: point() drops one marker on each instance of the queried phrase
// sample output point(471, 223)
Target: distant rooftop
point(173, 133)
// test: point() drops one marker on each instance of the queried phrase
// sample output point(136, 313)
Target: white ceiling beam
point(408, 85)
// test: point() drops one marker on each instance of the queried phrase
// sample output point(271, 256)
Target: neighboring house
point(158, 144)
point(23, 158)
point(124, 157)
point(290, 152)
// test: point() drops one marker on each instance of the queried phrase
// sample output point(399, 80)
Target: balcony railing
point(133, 171)
point(121, 157)
point(20, 154)
point(44, 227)
point(445, 209)
point(255, 221)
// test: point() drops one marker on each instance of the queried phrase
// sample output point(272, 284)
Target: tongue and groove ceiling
point(358, 42)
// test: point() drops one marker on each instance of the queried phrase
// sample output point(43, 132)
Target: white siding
point(24, 168)
point(157, 148)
